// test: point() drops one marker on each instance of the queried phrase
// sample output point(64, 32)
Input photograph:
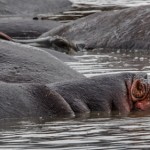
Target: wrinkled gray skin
point(26, 64)
point(33, 7)
point(70, 98)
point(17, 27)
point(123, 29)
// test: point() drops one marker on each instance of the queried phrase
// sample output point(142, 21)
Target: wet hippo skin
point(23, 27)
point(26, 64)
point(123, 29)
point(54, 42)
point(122, 92)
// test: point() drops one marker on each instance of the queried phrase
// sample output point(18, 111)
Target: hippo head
point(64, 45)
point(140, 94)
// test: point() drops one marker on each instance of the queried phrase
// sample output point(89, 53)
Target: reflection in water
point(112, 2)
point(91, 133)
point(91, 64)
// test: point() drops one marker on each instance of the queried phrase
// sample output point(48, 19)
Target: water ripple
point(95, 64)
point(112, 2)
point(98, 133)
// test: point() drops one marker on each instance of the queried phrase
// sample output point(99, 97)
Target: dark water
point(87, 133)
point(131, 132)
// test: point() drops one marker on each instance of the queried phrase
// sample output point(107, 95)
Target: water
point(112, 2)
point(94, 63)
point(88, 132)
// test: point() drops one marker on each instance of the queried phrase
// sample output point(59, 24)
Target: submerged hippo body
point(26, 64)
point(55, 42)
point(20, 27)
point(123, 29)
point(122, 92)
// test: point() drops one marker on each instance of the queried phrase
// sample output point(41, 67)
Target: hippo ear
point(139, 90)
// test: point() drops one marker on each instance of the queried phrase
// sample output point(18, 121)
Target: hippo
point(27, 64)
point(34, 7)
point(106, 93)
point(25, 27)
point(123, 29)
point(55, 42)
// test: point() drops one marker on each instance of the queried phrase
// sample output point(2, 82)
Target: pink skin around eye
point(143, 105)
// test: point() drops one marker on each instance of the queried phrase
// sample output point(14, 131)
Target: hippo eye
point(139, 90)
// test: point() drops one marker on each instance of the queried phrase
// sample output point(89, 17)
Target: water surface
point(95, 63)
point(131, 132)
point(112, 2)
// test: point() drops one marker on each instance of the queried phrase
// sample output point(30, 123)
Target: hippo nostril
point(142, 105)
